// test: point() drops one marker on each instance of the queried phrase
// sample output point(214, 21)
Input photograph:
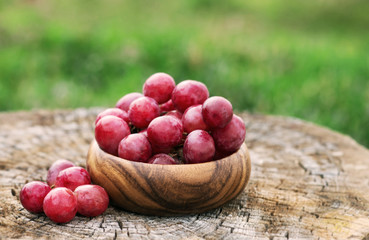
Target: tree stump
point(307, 182)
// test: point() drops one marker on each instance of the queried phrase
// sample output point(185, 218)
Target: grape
point(192, 119)
point(230, 138)
point(55, 168)
point(142, 111)
point(32, 196)
point(165, 132)
point(159, 86)
point(135, 147)
point(199, 147)
point(175, 114)
point(162, 158)
point(113, 112)
point(189, 93)
point(217, 112)
point(92, 200)
point(109, 131)
point(73, 177)
point(127, 99)
point(60, 205)
point(167, 106)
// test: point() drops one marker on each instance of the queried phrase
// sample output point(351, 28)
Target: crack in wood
point(101, 223)
point(302, 166)
point(120, 224)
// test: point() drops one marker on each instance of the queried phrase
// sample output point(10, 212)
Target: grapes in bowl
point(173, 151)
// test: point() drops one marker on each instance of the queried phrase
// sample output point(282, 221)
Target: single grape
point(189, 93)
point(217, 112)
point(32, 196)
point(165, 132)
point(135, 147)
point(109, 131)
point(192, 119)
point(60, 205)
point(175, 114)
point(73, 177)
point(92, 200)
point(55, 168)
point(199, 147)
point(167, 106)
point(142, 111)
point(230, 138)
point(113, 112)
point(159, 86)
point(127, 99)
point(162, 158)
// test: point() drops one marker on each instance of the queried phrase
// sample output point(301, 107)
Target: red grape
point(167, 106)
point(92, 200)
point(142, 111)
point(109, 131)
point(230, 138)
point(60, 205)
point(217, 112)
point(127, 99)
point(162, 158)
point(175, 114)
point(113, 112)
point(32, 196)
point(189, 93)
point(165, 132)
point(199, 147)
point(159, 86)
point(73, 177)
point(192, 119)
point(135, 147)
point(55, 168)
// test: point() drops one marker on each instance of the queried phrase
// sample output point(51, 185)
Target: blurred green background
point(308, 59)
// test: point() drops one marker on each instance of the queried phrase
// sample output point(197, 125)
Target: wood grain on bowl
point(169, 189)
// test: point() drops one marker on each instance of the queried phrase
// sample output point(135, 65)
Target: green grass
point(308, 59)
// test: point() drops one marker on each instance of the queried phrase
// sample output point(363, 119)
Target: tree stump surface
point(307, 182)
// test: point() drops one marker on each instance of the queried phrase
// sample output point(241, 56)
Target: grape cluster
point(68, 190)
point(170, 124)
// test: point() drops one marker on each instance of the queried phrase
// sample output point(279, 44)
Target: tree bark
point(307, 182)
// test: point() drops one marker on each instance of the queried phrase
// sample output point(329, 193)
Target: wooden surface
point(169, 190)
point(307, 182)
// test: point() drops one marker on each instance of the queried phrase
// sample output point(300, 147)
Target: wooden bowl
point(167, 190)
